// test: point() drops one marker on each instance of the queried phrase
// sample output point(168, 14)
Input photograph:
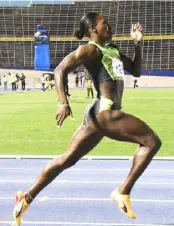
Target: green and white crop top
point(111, 66)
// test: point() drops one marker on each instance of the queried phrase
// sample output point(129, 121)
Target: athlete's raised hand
point(136, 32)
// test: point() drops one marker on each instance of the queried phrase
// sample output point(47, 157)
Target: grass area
point(28, 126)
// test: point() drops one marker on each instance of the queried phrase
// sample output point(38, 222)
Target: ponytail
point(79, 34)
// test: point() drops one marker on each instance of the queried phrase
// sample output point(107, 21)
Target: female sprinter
point(104, 118)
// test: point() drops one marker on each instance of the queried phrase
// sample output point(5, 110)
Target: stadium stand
point(18, 25)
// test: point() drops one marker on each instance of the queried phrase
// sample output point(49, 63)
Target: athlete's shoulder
point(87, 50)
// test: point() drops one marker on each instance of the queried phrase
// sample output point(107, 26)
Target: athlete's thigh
point(83, 141)
point(125, 127)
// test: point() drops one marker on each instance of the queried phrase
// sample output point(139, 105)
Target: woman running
point(106, 65)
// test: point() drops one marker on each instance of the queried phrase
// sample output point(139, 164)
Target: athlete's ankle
point(123, 191)
point(28, 198)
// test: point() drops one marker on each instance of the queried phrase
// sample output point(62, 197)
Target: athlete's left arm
point(133, 66)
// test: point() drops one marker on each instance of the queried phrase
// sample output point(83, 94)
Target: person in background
point(135, 83)
point(88, 79)
point(23, 81)
point(13, 81)
point(17, 81)
point(48, 83)
point(82, 80)
point(77, 80)
point(49, 80)
point(5, 82)
point(9, 78)
point(81, 75)
point(43, 81)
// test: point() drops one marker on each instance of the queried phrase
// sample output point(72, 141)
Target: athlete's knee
point(155, 142)
point(158, 142)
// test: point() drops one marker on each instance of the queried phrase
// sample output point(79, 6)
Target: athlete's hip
point(99, 106)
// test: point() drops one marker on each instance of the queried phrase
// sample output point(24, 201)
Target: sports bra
point(111, 66)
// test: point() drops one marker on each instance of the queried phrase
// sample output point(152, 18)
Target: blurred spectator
point(88, 79)
point(13, 81)
point(81, 76)
point(82, 79)
point(17, 81)
point(23, 81)
point(77, 80)
point(5, 82)
point(135, 83)
point(43, 81)
point(9, 78)
point(48, 83)
point(49, 80)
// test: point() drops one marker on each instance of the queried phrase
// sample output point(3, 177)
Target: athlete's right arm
point(82, 55)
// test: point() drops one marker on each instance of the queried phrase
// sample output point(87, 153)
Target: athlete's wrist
point(64, 105)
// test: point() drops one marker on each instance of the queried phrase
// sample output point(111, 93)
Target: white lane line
point(79, 223)
point(83, 169)
point(86, 182)
point(46, 198)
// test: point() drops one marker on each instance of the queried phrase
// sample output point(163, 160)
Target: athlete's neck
point(98, 41)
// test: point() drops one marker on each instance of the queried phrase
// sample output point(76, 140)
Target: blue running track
point(81, 194)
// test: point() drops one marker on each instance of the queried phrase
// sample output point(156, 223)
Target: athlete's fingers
point(57, 115)
point(138, 25)
point(62, 120)
point(133, 27)
point(59, 120)
point(139, 28)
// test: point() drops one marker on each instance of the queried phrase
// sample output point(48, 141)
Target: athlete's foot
point(124, 203)
point(20, 207)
